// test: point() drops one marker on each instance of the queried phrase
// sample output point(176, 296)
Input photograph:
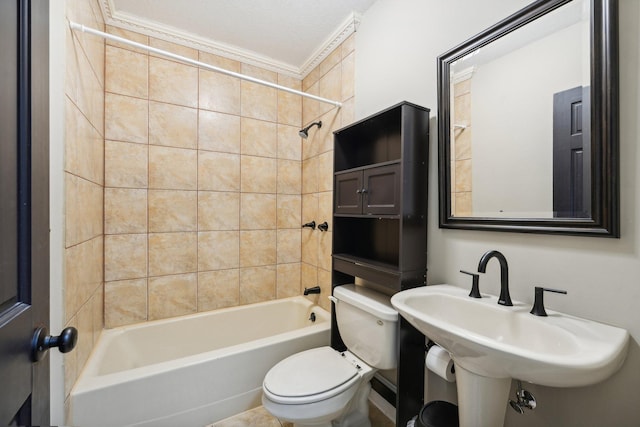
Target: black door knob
point(41, 342)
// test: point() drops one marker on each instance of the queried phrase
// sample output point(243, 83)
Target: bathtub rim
point(89, 379)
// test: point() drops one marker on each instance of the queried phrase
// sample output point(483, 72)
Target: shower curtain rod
point(84, 29)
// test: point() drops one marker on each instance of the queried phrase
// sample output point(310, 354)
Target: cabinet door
point(348, 192)
point(382, 190)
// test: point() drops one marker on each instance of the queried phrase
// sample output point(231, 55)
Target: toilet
point(325, 387)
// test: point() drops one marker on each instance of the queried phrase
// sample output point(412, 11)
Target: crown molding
point(170, 34)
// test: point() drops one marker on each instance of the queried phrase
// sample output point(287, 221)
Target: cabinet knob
point(363, 191)
point(358, 191)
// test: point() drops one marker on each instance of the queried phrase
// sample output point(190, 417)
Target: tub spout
point(314, 290)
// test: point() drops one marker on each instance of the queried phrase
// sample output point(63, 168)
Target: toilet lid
point(310, 373)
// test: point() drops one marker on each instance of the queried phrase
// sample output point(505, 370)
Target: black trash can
point(437, 413)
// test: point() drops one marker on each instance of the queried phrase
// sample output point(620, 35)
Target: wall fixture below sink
point(492, 344)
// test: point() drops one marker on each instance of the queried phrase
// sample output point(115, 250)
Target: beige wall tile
point(310, 246)
point(181, 50)
point(463, 175)
point(348, 112)
point(348, 45)
point(311, 79)
point(310, 107)
point(289, 243)
point(173, 210)
point(125, 211)
point(308, 276)
point(289, 104)
point(97, 303)
point(462, 109)
point(289, 211)
point(131, 35)
point(218, 289)
point(218, 210)
point(324, 250)
point(258, 138)
point(258, 101)
point(258, 174)
point(84, 325)
point(331, 87)
point(324, 137)
point(324, 281)
point(219, 92)
point(172, 253)
point(310, 175)
point(125, 302)
point(310, 207)
point(462, 88)
point(330, 62)
point(173, 125)
point(463, 143)
point(83, 210)
point(257, 247)
point(127, 72)
point(257, 211)
point(126, 118)
point(173, 82)
point(257, 284)
point(289, 177)
point(325, 208)
point(172, 168)
point(348, 76)
point(171, 296)
point(125, 256)
point(218, 171)
point(84, 146)
point(83, 264)
point(288, 280)
point(325, 171)
point(126, 164)
point(218, 250)
point(220, 61)
point(289, 142)
point(463, 204)
point(218, 132)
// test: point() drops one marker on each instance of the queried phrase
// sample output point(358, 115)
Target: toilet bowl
point(326, 387)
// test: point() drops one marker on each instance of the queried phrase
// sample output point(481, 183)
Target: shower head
point(304, 133)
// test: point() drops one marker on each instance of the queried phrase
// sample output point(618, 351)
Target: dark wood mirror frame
point(605, 214)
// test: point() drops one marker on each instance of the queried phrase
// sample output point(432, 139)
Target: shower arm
point(85, 29)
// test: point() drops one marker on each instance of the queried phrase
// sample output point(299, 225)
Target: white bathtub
point(192, 370)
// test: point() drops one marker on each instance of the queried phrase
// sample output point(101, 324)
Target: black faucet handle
point(538, 301)
point(475, 284)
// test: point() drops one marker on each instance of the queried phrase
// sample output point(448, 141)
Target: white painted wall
point(512, 124)
point(396, 49)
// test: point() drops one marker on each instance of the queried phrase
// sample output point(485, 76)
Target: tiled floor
point(260, 417)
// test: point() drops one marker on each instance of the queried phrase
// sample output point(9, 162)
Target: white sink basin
point(497, 341)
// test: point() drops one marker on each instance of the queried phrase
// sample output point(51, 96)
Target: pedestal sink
point(491, 344)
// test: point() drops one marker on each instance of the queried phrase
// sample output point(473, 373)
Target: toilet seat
point(311, 376)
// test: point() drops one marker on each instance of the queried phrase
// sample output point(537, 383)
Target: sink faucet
point(504, 298)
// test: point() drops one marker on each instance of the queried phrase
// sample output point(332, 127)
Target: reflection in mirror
point(515, 123)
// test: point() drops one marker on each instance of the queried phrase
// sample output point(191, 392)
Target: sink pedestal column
point(482, 401)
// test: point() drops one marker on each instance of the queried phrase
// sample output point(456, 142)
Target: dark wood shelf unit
point(380, 224)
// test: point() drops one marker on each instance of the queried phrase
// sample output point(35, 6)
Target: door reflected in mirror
point(517, 147)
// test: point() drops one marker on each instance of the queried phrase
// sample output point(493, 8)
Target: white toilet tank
point(368, 324)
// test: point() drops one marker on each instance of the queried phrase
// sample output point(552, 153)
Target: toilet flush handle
point(333, 299)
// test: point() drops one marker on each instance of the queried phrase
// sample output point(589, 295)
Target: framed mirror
point(528, 123)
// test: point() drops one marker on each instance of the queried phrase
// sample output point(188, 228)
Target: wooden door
point(382, 190)
point(348, 193)
point(24, 209)
point(571, 154)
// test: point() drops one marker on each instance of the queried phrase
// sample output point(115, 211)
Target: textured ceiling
point(290, 32)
